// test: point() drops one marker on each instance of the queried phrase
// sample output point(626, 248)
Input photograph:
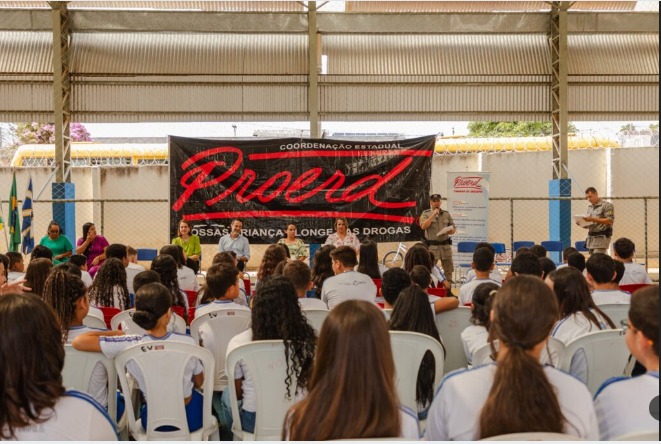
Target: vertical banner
point(379, 187)
point(468, 203)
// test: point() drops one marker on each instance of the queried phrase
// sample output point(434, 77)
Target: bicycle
point(395, 258)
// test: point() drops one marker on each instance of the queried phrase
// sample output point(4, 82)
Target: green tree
point(654, 127)
point(512, 129)
point(629, 128)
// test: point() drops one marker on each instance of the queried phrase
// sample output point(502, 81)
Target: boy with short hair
point(301, 277)
point(482, 264)
point(600, 275)
point(16, 266)
point(80, 261)
point(624, 250)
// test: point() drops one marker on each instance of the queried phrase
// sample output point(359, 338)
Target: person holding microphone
point(438, 226)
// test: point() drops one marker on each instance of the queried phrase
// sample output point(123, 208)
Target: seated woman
point(516, 394)
point(34, 406)
point(476, 336)
point(275, 314)
point(93, 246)
point(57, 242)
point(191, 245)
point(342, 235)
point(152, 313)
point(109, 287)
point(623, 404)
point(352, 392)
point(296, 246)
point(411, 313)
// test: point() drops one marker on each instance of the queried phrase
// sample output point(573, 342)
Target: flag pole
point(4, 226)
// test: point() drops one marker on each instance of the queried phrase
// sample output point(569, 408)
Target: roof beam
point(332, 23)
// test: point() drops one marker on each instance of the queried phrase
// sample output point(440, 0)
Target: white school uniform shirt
point(312, 304)
point(74, 417)
point(131, 270)
point(455, 411)
point(111, 346)
point(473, 338)
point(493, 274)
point(466, 290)
point(570, 328)
point(86, 278)
point(622, 405)
point(206, 335)
point(15, 276)
point(603, 297)
point(347, 286)
point(187, 279)
point(635, 274)
point(98, 387)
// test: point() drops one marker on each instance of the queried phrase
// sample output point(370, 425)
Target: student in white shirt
point(624, 250)
point(300, 276)
point(476, 335)
point(152, 313)
point(352, 392)
point(16, 268)
point(393, 282)
point(166, 267)
point(494, 274)
point(421, 277)
point(516, 394)
point(482, 264)
point(623, 404)
point(275, 314)
point(109, 288)
point(346, 284)
point(80, 261)
point(39, 408)
point(578, 313)
point(601, 277)
point(419, 254)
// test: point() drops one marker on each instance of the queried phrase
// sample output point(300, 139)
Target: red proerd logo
point(468, 183)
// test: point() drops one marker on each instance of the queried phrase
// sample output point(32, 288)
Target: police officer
point(602, 215)
point(432, 221)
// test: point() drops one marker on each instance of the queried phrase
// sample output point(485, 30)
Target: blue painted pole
point(560, 219)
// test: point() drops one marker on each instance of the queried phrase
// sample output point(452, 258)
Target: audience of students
point(347, 283)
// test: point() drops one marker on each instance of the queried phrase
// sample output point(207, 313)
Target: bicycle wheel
point(393, 259)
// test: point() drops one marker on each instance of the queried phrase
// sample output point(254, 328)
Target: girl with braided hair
point(275, 314)
point(166, 267)
point(109, 287)
point(516, 394)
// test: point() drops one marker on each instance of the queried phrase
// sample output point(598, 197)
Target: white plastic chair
point(77, 373)
point(387, 312)
point(224, 325)
point(534, 436)
point(551, 354)
point(94, 322)
point(651, 435)
point(163, 368)
point(266, 360)
point(316, 317)
point(408, 349)
point(617, 312)
point(606, 353)
point(131, 328)
point(450, 325)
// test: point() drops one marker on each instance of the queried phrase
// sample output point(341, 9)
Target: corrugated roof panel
point(26, 97)
point(481, 6)
point(626, 99)
point(141, 53)
point(436, 54)
point(613, 54)
point(167, 5)
point(26, 52)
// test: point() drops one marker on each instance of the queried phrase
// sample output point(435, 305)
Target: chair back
point(78, 371)
point(316, 317)
point(266, 360)
point(533, 436)
point(130, 327)
point(652, 435)
point(501, 254)
point(450, 325)
point(94, 322)
point(147, 254)
point(108, 314)
point(163, 365)
point(224, 325)
point(191, 295)
point(633, 287)
point(551, 354)
point(518, 244)
point(580, 246)
point(606, 353)
point(554, 248)
point(408, 349)
point(617, 312)
point(440, 291)
point(246, 284)
point(377, 282)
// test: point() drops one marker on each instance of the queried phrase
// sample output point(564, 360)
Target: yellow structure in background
point(461, 144)
point(90, 154)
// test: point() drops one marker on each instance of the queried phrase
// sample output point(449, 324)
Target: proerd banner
point(380, 187)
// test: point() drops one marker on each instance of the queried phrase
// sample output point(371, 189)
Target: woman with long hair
point(275, 314)
point(152, 313)
point(190, 243)
point(295, 245)
point(516, 394)
point(185, 275)
point(322, 268)
point(166, 267)
point(93, 247)
point(109, 286)
point(34, 406)
point(37, 273)
point(58, 243)
point(412, 313)
point(352, 392)
point(476, 335)
point(418, 254)
point(623, 404)
point(368, 262)
point(578, 313)
point(273, 255)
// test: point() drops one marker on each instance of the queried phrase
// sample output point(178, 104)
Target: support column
point(314, 63)
point(64, 213)
point(559, 210)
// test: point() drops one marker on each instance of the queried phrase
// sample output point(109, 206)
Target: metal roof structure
point(138, 61)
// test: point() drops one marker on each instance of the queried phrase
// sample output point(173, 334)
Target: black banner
point(380, 187)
